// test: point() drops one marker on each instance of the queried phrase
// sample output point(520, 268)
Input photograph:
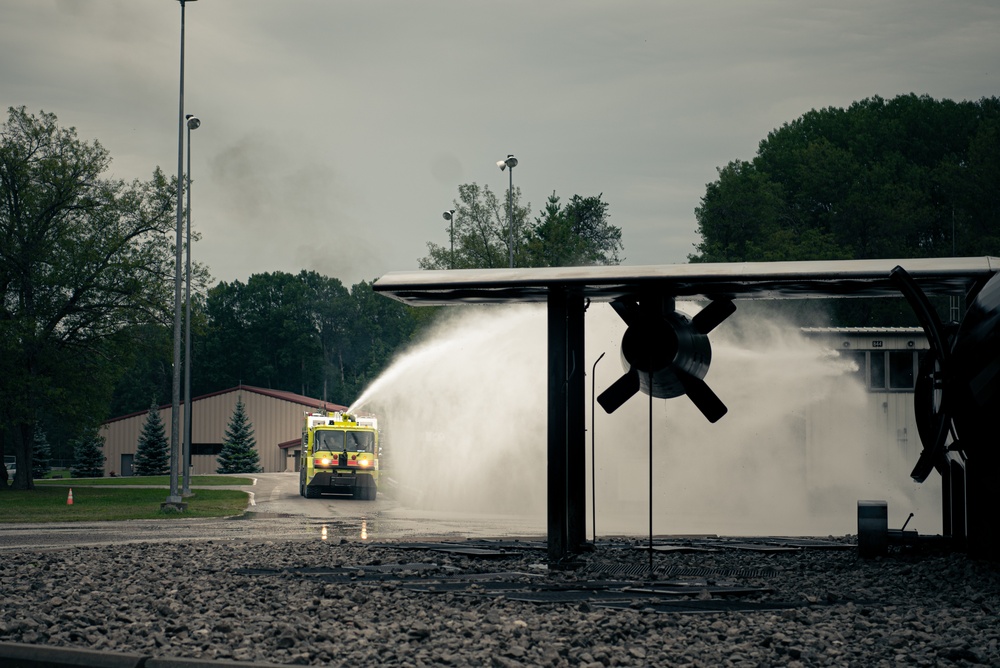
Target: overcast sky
point(334, 134)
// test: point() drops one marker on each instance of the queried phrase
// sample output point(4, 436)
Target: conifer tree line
point(303, 333)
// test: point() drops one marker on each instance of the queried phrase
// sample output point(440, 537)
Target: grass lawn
point(95, 503)
point(157, 480)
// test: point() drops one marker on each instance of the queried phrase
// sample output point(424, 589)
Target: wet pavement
point(276, 512)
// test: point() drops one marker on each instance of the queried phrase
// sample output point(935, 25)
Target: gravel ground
point(322, 603)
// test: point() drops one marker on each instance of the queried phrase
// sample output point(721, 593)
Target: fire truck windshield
point(360, 441)
point(335, 440)
point(330, 440)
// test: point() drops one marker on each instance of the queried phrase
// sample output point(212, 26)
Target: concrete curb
point(18, 655)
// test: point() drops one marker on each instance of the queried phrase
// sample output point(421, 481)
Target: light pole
point(593, 449)
point(193, 123)
point(510, 162)
point(450, 215)
point(174, 498)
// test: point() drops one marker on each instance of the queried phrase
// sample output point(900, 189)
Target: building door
point(126, 468)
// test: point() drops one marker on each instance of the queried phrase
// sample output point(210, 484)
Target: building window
point(206, 448)
point(881, 370)
point(901, 370)
point(858, 360)
point(877, 367)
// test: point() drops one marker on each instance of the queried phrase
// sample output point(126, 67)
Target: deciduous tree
point(578, 233)
point(482, 234)
point(907, 177)
point(84, 261)
point(903, 178)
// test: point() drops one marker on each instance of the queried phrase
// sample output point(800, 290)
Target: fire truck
point(339, 456)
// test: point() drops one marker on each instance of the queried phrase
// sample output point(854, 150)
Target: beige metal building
point(885, 360)
point(275, 416)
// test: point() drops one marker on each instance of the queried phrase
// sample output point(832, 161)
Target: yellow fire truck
point(339, 456)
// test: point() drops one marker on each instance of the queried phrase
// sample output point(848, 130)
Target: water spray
point(466, 409)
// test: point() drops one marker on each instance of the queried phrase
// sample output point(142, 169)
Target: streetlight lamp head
point(511, 161)
point(193, 122)
point(448, 215)
point(502, 164)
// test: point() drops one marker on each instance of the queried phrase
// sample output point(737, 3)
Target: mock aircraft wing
point(737, 280)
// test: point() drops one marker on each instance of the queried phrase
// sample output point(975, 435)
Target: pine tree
point(152, 452)
point(239, 448)
point(88, 458)
point(41, 455)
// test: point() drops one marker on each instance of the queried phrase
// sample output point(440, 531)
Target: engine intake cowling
point(666, 354)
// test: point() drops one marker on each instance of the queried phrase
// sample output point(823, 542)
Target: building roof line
point(283, 395)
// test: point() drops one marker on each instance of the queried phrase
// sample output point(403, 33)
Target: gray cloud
point(326, 119)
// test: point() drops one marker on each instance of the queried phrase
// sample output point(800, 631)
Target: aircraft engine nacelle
point(957, 392)
point(973, 382)
point(666, 354)
point(663, 351)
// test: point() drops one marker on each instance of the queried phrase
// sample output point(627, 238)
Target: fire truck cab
point(339, 456)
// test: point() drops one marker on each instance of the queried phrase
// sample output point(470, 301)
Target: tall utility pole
point(193, 123)
point(174, 499)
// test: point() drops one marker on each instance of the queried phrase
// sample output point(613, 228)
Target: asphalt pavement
point(275, 511)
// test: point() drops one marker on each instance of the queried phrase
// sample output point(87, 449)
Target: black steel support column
point(957, 503)
point(567, 457)
point(983, 503)
point(946, 502)
point(558, 498)
point(576, 429)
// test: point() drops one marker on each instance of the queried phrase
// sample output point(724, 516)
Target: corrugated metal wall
point(887, 425)
point(273, 420)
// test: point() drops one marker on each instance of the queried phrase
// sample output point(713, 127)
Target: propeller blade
point(702, 396)
point(621, 391)
point(627, 310)
point(932, 422)
point(713, 314)
point(929, 459)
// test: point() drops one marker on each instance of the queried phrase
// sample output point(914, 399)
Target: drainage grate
point(712, 606)
point(641, 571)
point(612, 583)
point(485, 549)
point(700, 572)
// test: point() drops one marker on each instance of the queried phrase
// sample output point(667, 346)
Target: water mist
point(465, 420)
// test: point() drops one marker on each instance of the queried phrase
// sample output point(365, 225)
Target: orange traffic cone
point(69, 499)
